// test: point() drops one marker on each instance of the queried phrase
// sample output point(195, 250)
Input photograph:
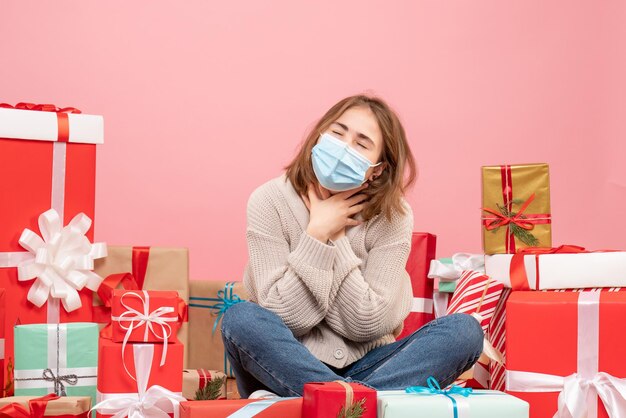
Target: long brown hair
point(385, 192)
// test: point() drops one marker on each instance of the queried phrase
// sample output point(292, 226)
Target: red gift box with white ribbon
point(137, 377)
point(47, 163)
point(145, 315)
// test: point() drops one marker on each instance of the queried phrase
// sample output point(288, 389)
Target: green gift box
point(56, 358)
point(477, 404)
point(442, 285)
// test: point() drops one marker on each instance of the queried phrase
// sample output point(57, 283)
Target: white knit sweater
point(339, 300)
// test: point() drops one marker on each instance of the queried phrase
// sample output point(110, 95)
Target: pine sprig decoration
point(212, 390)
point(520, 233)
point(356, 410)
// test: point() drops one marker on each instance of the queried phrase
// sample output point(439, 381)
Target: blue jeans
point(265, 355)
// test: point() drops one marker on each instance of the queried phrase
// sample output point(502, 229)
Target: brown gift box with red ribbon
point(197, 379)
point(154, 268)
point(516, 207)
point(45, 406)
point(329, 399)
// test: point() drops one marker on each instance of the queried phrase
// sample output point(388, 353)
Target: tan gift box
point(195, 379)
point(516, 207)
point(206, 349)
point(78, 406)
point(154, 268)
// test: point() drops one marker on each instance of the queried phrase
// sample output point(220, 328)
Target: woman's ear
point(378, 170)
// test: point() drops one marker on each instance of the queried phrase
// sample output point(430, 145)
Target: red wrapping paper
point(291, 408)
point(2, 341)
point(155, 300)
point(423, 246)
point(26, 167)
point(325, 400)
point(542, 335)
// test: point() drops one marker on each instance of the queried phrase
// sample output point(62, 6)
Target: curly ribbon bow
point(59, 388)
point(62, 118)
point(61, 260)
point(579, 391)
point(153, 402)
point(36, 408)
point(433, 388)
point(150, 320)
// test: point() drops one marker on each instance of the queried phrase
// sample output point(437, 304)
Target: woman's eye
point(338, 133)
point(361, 145)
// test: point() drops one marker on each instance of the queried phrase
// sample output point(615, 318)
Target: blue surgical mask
point(337, 166)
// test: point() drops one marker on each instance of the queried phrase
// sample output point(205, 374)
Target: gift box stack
point(47, 165)
point(53, 338)
point(556, 322)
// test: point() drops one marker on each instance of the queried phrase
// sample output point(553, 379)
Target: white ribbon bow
point(155, 402)
point(460, 263)
point(138, 319)
point(61, 260)
point(574, 391)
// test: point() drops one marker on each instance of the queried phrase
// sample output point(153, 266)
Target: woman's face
point(359, 128)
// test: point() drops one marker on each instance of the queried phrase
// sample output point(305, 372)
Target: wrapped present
point(516, 207)
point(201, 384)
point(50, 405)
point(47, 161)
point(478, 295)
point(564, 267)
point(423, 246)
point(3, 387)
point(56, 358)
point(447, 271)
point(146, 315)
point(207, 303)
point(243, 408)
point(154, 268)
point(338, 399)
point(563, 351)
point(433, 402)
point(139, 383)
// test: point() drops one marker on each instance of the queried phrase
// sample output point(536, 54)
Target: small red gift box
point(145, 315)
point(563, 348)
point(259, 408)
point(327, 399)
point(423, 247)
point(140, 378)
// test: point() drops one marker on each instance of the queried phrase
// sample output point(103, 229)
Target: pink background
point(205, 100)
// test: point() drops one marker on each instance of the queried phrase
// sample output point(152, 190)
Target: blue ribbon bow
point(434, 388)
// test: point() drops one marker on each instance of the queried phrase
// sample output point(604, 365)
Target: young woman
point(328, 244)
